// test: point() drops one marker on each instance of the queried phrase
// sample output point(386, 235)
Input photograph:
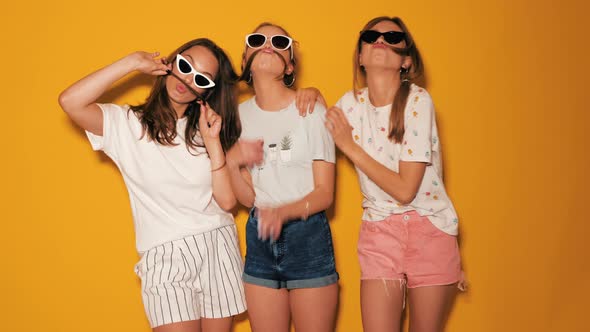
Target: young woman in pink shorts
point(408, 234)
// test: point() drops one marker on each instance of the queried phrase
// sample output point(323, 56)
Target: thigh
point(314, 309)
point(216, 324)
point(382, 304)
point(268, 308)
point(188, 326)
point(168, 286)
point(222, 293)
point(430, 306)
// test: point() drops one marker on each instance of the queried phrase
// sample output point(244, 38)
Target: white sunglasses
point(199, 79)
point(278, 42)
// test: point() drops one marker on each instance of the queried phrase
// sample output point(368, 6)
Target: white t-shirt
point(291, 144)
point(420, 144)
point(170, 189)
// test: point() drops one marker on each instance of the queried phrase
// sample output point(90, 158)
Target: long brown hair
point(158, 118)
point(416, 69)
point(288, 80)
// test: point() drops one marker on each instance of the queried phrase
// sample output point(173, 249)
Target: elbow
point(248, 203)
point(227, 204)
point(328, 198)
point(406, 197)
point(64, 101)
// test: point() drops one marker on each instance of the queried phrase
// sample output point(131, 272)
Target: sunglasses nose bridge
point(380, 39)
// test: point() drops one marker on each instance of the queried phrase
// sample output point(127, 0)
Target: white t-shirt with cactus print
point(420, 144)
point(291, 144)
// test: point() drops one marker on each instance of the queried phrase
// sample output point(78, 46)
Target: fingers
point(269, 224)
point(252, 152)
point(305, 100)
point(299, 101)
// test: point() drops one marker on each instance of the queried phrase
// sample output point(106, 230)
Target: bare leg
point(382, 305)
point(429, 307)
point(190, 326)
point(217, 324)
point(314, 309)
point(268, 309)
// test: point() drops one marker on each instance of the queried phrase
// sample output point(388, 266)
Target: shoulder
point(352, 98)
point(419, 95)
point(247, 105)
point(319, 113)
point(118, 113)
point(419, 101)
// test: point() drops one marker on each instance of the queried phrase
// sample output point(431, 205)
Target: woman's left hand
point(270, 223)
point(339, 128)
point(209, 122)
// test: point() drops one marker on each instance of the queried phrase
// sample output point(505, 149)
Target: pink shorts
point(410, 248)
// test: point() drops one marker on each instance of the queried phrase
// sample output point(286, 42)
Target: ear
point(243, 61)
point(290, 68)
point(407, 62)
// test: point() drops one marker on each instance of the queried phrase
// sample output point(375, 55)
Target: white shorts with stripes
point(198, 276)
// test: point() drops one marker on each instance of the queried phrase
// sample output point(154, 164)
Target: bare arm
point(244, 153)
point(402, 185)
point(322, 196)
point(78, 100)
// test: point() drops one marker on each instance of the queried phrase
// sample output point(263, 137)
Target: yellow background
point(508, 81)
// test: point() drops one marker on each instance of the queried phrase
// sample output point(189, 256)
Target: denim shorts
point(302, 257)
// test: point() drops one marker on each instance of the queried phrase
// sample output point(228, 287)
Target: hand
point(148, 63)
point(306, 98)
point(339, 128)
point(209, 122)
point(246, 153)
point(270, 223)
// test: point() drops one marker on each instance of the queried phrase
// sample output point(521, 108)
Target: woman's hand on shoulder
point(306, 99)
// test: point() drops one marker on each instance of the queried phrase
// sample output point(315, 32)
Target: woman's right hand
point(246, 153)
point(148, 63)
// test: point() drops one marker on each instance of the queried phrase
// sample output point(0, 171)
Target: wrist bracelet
point(220, 167)
point(306, 210)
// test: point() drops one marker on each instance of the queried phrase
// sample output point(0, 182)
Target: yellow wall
point(507, 78)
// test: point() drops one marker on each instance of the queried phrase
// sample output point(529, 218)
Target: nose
point(188, 79)
point(381, 40)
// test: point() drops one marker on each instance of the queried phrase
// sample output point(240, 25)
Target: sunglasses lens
point(280, 42)
point(256, 40)
point(394, 37)
point(370, 36)
point(184, 66)
point(201, 81)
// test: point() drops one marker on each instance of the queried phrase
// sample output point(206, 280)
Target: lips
point(379, 45)
point(180, 88)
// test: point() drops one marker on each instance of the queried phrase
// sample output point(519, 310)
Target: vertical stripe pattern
point(197, 276)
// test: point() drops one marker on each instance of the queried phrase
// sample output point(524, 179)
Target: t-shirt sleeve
point(113, 118)
point(320, 140)
point(419, 119)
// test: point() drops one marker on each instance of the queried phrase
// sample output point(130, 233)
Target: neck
point(271, 94)
point(178, 108)
point(383, 85)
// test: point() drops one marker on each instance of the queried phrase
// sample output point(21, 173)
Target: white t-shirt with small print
point(420, 144)
point(170, 189)
point(291, 144)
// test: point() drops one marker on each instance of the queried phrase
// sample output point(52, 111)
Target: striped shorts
point(197, 276)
